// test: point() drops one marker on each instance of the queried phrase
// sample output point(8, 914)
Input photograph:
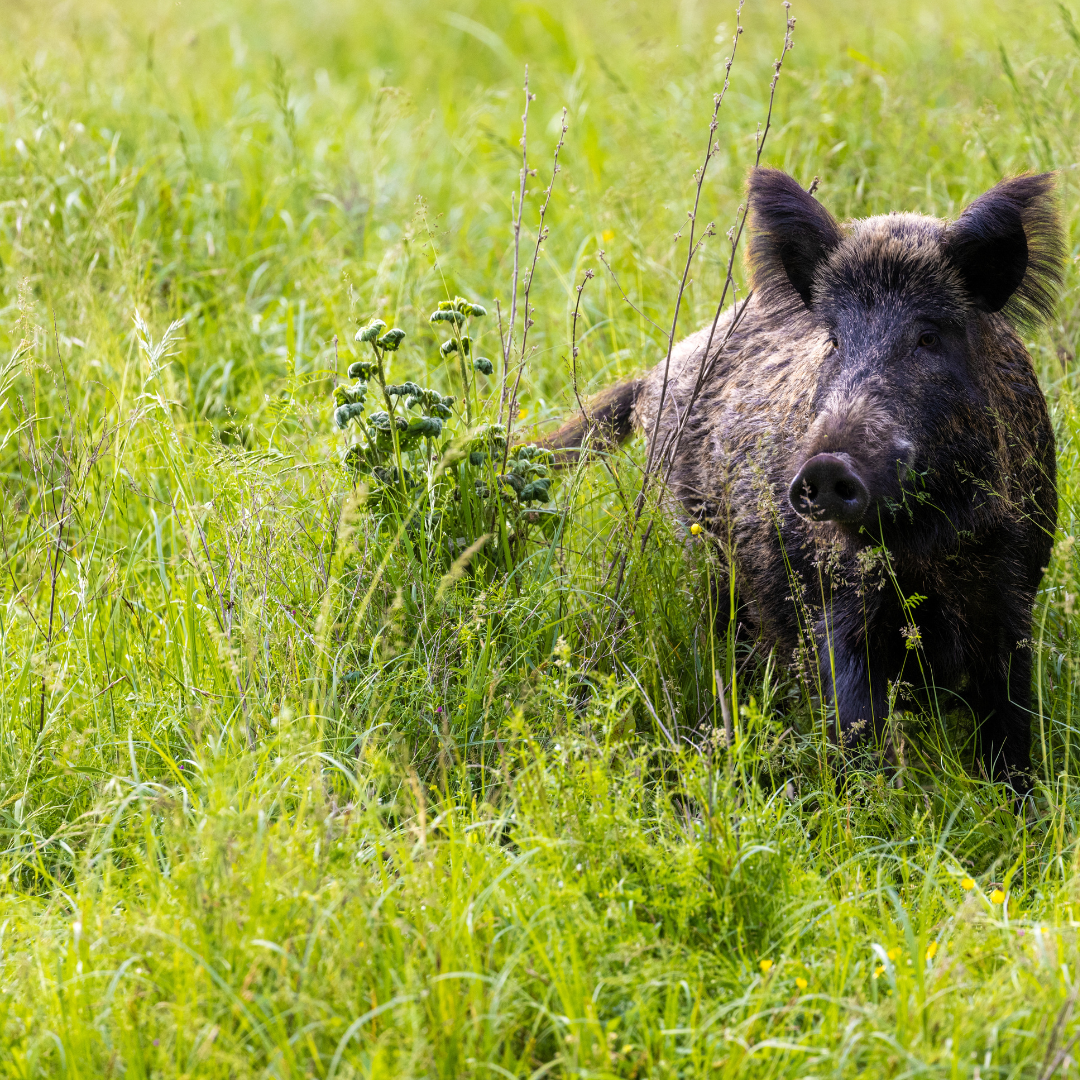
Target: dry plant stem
point(1062, 1054)
point(669, 451)
point(789, 44)
point(709, 356)
point(1064, 1013)
point(573, 344)
point(711, 147)
point(508, 341)
point(526, 321)
point(503, 346)
point(602, 256)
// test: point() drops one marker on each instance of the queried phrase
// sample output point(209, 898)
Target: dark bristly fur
point(883, 355)
point(792, 233)
point(1016, 220)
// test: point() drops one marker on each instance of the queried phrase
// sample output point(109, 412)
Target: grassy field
point(279, 795)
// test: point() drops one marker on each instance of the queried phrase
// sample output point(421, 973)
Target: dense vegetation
point(288, 791)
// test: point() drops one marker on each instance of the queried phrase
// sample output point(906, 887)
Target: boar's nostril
point(827, 488)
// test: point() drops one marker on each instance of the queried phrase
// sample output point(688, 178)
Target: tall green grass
point(278, 798)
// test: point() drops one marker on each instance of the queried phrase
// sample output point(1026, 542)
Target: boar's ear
point(791, 233)
point(1009, 249)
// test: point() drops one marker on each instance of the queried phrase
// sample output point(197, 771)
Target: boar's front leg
point(860, 701)
point(855, 681)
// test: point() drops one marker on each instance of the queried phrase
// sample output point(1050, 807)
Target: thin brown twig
point(526, 322)
point(711, 147)
point(1059, 1059)
point(503, 346)
point(508, 343)
point(789, 44)
point(573, 344)
point(710, 356)
point(1064, 1013)
point(602, 256)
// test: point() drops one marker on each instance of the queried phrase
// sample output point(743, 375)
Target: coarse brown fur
point(882, 355)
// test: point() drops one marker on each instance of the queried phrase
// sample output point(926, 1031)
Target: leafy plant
point(448, 476)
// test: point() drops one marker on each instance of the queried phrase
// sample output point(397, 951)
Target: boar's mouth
point(828, 488)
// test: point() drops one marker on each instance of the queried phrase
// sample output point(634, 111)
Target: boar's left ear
point(791, 235)
point(1009, 249)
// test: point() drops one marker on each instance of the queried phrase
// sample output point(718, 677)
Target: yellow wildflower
point(879, 971)
point(607, 236)
point(801, 983)
point(931, 950)
point(696, 529)
point(997, 897)
point(766, 966)
point(967, 883)
point(893, 953)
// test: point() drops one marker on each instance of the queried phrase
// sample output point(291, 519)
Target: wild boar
point(872, 450)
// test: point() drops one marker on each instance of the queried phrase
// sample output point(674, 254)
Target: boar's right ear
point(1009, 249)
point(791, 234)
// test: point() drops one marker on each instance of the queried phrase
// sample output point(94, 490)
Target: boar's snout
point(827, 488)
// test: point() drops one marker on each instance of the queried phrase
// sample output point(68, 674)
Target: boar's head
point(913, 314)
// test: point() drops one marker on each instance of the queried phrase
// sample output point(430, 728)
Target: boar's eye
point(928, 341)
point(833, 342)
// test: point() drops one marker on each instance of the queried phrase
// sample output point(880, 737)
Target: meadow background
point(276, 799)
